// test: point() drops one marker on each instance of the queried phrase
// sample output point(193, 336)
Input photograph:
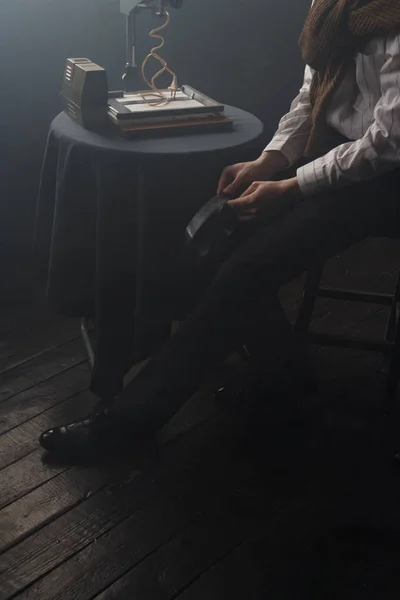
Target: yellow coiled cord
point(161, 97)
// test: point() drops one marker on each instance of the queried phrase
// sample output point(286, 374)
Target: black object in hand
point(212, 230)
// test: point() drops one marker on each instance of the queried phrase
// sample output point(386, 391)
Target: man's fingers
point(225, 179)
point(232, 188)
point(250, 190)
point(243, 204)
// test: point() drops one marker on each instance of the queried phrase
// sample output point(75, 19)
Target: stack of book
point(141, 113)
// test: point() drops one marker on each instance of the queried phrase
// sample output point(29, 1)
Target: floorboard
point(25, 475)
point(34, 401)
point(103, 511)
point(47, 502)
point(224, 503)
point(238, 575)
point(20, 441)
point(29, 333)
point(40, 369)
point(178, 563)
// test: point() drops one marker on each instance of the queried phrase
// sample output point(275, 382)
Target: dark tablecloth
point(110, 220)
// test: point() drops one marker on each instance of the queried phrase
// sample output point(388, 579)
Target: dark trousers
point(241, 302)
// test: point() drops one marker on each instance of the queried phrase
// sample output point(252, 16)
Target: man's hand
point(237, 178)
point(267, 199)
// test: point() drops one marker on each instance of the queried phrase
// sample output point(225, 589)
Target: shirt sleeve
point(376, 153)
point(294, 128)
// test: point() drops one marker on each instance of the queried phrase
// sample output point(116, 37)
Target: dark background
point(241, 52)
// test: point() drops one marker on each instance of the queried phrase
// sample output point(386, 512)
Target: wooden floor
point(219, 508)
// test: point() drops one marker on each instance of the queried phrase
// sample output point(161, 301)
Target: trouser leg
point(240, 300)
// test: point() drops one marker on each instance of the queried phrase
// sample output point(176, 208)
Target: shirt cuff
point(289, 151)
point(312, 179)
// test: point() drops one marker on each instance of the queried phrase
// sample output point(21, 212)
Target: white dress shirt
point(365, 109)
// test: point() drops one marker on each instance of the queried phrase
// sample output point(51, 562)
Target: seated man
point(346, 123)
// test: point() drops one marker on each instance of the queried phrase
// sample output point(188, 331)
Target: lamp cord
point(155, 91)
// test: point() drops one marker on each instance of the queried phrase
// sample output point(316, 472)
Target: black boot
point(97, 432)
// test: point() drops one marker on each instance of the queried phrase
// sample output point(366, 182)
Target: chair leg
point(391, 325)
point(394, 313)
point(394, 374)
point(310, 292)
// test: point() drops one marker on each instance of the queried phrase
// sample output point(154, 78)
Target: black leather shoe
point(97, 432)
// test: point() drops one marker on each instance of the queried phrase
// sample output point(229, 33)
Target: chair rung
point(356, 343)
point(356, 295)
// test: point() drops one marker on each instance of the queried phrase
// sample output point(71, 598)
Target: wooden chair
point(390, 346)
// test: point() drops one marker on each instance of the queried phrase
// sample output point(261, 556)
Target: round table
point(110, 221)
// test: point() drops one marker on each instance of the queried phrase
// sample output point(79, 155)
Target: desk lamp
point(131, 9)
point(135, 110)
